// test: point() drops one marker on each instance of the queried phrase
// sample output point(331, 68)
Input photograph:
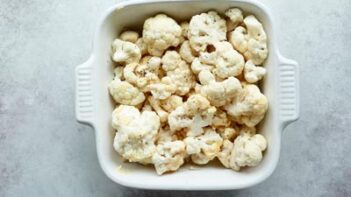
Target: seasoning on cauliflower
point(252, 41)
point(130, 36)
point(203, 148)
point(186, 52)
point(144, 73)
point(125, 52)
point(250, 107)
point(219, 93)
point(247, 151)
point(227, 61)
point(253, 73)
point(125, 93)
point(235, 16)
point(136, 133)
point(206, 29)
point(195, 114)
point(161, 32)
point(169, 156)
point(179, 72)
point(171, 103)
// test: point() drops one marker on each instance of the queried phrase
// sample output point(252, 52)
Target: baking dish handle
point(288, 91)
point(84, 92)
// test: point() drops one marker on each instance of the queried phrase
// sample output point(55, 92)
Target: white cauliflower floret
point(136, 133)
point(247, 151)
point(252, 41)
point(165, 135)
point(169, 156)
point(118, 73)
point(224, 155)
point(163, 89)
point(144, 73)
point(156, 106)
point(161, 32)
point(225, 58)
point(235, 16)
point(125, 52)
point(197, 66)
point(186, 52)
point(171, 103)
point(185, 29)
point(203, 148)
point(178, 71)
point(250, 107)
point(206, 29)
point(130, 36)
point(142, 46)
point(125, 93)
point(218, 93)
point(195, 114)
point(253, 73)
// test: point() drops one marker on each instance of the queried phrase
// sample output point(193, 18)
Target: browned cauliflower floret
point(206, 29)
point(125, 52)
point(161, 32)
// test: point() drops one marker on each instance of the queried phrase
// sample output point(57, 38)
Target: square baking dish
point(94, 105)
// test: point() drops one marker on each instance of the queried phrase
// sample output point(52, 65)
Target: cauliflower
point(206, 29)
point(220, 119)
point(161, 32)
point(195, 114)
point(171, 103)
point(130, 36)
point(225, 152)
point(169, 156)
point(235, 16)
point(185, 29)
point(142, 46)
point(253, 73)
point(144, 73)
point(197, 66)
point(247, 151)
point(164, 89)
point(125, 52)
point(186, 52)
point(218, 93)
point(156, 106)
point(250, 107)
point(225, 58)
point(252, 41)
point(125, 93)
point(118, 73)
point(136, 133)
point(227, 133)
point(203, 148)
point(179, 72)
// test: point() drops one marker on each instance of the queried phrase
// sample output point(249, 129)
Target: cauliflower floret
point(247, 151)
point(224, 155)
point(251, 42)
point(160, 33)
point(156, 106)
point(144, 73)
point(164, 89)
point(203, 148)
point(179, 72)
point(235, 16)
point(195, 114)
point(125, 52)
point(165, 135)
point(130, 36)
point(186, 52)
point(220, 119)
point(142, 46)
point(206, 29)
point(136, 133)
point(185, 29)
point(253, 73)
point(118, 73)
point(227, 133)
point(169, 156)
point(197, 66)
point(125, 93)
point(225, 58)
point(250, 107)
point(171, 103)
point(219, 93)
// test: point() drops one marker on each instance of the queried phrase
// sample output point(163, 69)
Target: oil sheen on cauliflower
point(161, 32)
point(136, 133)
point(250, 107)
point(250, 41)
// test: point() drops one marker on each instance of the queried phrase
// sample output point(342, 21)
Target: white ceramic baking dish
point(94, 105)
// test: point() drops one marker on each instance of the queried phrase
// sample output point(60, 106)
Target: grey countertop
point(45, 152)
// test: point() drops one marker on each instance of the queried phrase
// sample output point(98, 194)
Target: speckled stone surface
point(44, 152)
